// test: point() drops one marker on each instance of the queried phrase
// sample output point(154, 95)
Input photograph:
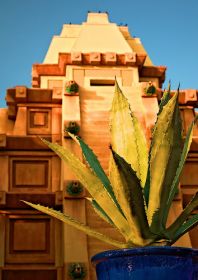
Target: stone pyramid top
point(97, 34)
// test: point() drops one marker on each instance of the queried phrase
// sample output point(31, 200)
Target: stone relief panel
point(30, 174)
point(29, 239)
point(39, 121)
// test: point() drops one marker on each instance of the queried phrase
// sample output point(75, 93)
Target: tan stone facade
point(33, 245)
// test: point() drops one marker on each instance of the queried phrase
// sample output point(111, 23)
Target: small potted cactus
point(150, 89)
point(71, 88)
point(72, 127)
point(137, 195)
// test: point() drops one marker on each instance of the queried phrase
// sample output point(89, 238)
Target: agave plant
point(137, 195)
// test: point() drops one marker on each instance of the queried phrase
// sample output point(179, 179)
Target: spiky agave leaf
point(94, 186)
point(130, 196)
point(175, 182)
point(164, 157)
point(78, 225)
point(127, 137)
point(95, 166)
point(173, 149)
point(186, 227)
point(100, 212)
point(164, 100)
point(181, 219)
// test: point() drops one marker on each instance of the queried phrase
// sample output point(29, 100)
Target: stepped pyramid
point(73, 88)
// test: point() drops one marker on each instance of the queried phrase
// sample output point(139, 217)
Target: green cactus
point(150, 89)
point(137, 195)
point(71, 87)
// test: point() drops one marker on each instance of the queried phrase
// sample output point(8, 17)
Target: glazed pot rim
point(155, 250)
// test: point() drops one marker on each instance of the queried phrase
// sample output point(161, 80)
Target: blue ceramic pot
point(147, 263)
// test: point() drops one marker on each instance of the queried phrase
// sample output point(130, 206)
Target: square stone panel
point(39, 121)
point(30, 174)
point(29, 239)
point(28, 274)
point(29, 235)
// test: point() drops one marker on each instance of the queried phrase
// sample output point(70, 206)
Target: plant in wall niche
point(137, 195)
point(77, 271)
point(74, 188)
point(150, 89)
point(72, 127)
point(71, 88)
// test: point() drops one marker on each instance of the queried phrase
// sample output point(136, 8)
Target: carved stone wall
point(35, 246)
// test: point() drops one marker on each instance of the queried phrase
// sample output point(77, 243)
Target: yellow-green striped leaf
point(100, 212)
point(94, 186)
point(192, 205)
point(163, 158)
point(78, 225)
point(129, 194)
point(186, 227)
point(165, 99)
point(175, 182)
point(95, 166)
point(127, 137)
point(174, 150)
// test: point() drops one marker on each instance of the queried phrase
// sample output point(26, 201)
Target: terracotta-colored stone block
point(21, 93)
point(76, 57)
point(20, 125)
point(2, 198)
point(2, 140)
point(26, 143)
point(95, 58)
point(35, 83)
point(14, 199)
point(58, 197)
point(10, 95)
point(129, 58)
point(191, 95)
point(39, 95)
point(12, 112)
point(57, 94)
point(110, 58)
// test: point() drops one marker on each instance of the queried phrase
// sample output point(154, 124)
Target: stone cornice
point(154, 72)
point(95, 59)
point(23, 95)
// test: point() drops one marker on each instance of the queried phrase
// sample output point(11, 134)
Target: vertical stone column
point(75, 242)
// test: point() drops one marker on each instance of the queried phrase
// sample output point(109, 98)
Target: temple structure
point(73, 89)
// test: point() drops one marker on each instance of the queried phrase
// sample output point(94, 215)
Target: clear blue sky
point(168, 30)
